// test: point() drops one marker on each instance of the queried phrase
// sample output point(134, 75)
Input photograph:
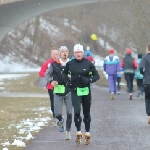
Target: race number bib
point(59, 89)
point(82, 91)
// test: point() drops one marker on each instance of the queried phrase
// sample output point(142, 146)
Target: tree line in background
point(120, 24)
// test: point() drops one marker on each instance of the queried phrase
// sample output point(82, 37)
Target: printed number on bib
point(59, 89)
point(82, 91)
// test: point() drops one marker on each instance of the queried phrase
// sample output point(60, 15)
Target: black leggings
point(51, 96)
point(86, 105)
point(147, 98)
point(129, 80)
point(118, 83)
point(140, 85)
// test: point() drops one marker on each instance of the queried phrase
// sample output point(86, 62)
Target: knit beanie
point(111, 51)
point(128, 51)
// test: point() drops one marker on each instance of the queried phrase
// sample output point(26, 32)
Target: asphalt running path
point(15, 94)
point(119, 124)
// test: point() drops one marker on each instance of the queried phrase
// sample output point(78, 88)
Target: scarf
point(63, 63)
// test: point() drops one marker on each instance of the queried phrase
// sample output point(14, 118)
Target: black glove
point(86, 80)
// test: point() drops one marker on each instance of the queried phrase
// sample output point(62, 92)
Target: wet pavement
point(119, 124)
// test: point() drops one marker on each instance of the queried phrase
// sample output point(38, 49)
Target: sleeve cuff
point(51, 81)
point(91, 80)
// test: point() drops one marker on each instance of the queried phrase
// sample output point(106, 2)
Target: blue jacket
point(111, 64)
point(120, 74)
point(138, 75)
point(88, 53)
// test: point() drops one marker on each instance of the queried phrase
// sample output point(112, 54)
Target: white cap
point(78, 47)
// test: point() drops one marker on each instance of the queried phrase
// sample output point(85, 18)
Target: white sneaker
point(67, 135)
point(60, 125)
point(55, 120)
point(118, 92)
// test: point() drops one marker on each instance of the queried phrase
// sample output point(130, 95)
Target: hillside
point(119, 25)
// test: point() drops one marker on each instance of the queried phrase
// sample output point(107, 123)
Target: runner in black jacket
point(83, 73)
point(58, 79)
point(145, 70)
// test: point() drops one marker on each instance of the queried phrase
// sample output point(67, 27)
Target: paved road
point(21, 94)
point(119, 124)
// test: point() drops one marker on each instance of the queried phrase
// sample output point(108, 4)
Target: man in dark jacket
point(145, 70)
point(61, 92)
point(83, 73)
point(129, 65)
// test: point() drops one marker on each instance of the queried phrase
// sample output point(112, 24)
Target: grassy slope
point(14, 110)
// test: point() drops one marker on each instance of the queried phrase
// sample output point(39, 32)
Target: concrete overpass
point(16, 13)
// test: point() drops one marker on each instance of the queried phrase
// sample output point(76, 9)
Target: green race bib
point(59, 89)
point(82, 91)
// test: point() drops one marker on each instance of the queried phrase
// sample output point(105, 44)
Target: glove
point(86, 80)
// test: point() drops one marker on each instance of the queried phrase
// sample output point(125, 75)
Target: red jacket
point(90, 59)
point(43, 70)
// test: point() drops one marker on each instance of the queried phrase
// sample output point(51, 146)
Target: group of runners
point(69, 80)
point(132, 68)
